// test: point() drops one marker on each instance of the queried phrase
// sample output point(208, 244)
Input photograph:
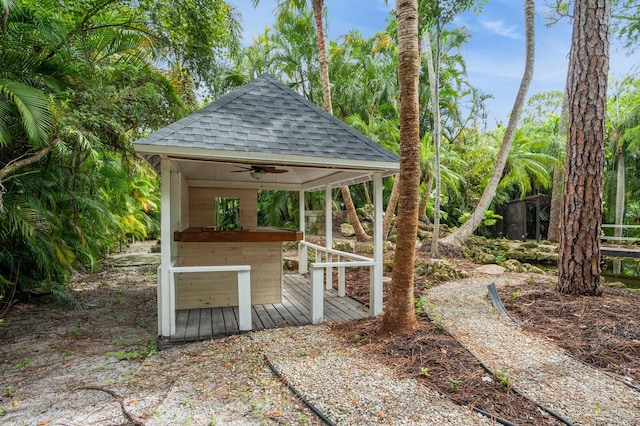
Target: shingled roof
point(265, 117)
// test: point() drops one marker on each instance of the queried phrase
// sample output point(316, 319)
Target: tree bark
point(399, 313)
point(391, 209)
point(14, 165)
point(557, 189)
point(620, 199)
point(579, 249)
point(435, 104)
point(353, 215)
point(458, 237)
point(318, 6)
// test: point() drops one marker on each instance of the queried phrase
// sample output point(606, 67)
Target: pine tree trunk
point(458, 237)
point(579, 261)
point(399, 313)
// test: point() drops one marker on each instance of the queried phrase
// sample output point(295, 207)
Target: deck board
point(294, 310)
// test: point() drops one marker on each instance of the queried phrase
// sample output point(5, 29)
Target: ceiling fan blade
point(271, 169)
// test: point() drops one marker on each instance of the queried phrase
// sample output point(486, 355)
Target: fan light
point(257, 174)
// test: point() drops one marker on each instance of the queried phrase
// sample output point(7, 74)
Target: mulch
point(602, 331)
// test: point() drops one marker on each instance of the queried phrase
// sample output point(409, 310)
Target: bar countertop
point(260, 234)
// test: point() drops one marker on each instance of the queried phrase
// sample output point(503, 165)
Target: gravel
point(538, 369)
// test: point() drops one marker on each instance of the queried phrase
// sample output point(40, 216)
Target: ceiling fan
point(258, 172)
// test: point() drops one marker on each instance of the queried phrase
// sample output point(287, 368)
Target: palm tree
point(461, 234)
point(399, 314)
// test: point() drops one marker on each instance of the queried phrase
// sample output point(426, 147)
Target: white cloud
point(498, 27)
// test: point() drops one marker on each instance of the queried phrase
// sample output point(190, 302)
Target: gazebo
point(212, 163)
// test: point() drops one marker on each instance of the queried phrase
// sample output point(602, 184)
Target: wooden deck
point(203, 324)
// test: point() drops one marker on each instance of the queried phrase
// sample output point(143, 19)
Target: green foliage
point(77, 86)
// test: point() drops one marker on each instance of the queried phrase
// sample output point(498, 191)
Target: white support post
point(375, 291)
point(317, 295)
point(303, 252)
point(244, 300)
point(166, 317)
point(328, 231)
point(159, 299)
point(341, 279)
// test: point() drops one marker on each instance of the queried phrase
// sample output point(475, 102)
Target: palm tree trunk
point(620, 199)
point(399, 313)
point(458, 237)
point(435, 103)
point(558, 173)
point(556, 204)
point(318, 6)
point(579, 249)
point(391, 209)
point(361, 235)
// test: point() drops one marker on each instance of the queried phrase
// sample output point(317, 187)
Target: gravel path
point(351, 389)
point(581, 394)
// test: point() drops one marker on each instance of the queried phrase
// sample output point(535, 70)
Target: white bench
point(244, 289)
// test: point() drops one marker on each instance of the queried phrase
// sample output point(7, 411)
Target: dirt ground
point(98, 365)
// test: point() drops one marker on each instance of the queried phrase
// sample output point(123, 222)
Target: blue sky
point(494, 55)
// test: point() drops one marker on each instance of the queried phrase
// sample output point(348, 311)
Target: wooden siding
point(201, 208)
point(204, 324)
point(220, 289)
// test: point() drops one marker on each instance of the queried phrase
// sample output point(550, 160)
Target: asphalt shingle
point(265, 116)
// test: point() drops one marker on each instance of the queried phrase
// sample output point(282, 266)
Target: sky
point(495, 54)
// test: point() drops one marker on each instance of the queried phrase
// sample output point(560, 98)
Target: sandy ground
point(92, 366)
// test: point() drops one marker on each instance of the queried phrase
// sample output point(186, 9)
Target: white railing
point(244, 290)
point(318, 269)
point(621, 238)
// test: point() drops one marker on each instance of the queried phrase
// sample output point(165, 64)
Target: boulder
point(346, 229)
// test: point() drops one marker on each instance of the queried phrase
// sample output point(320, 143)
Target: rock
point(420, 268)
point(512, 265)
point(443, 270)
point(346, 246)
point(290, 264)
point(491, 269)
point(484, 258)
point(366, 248)
point(527, 267)
point(346, 229)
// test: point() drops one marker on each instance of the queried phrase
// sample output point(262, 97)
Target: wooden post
point(166, 318)
point(303, 252)
point(328, 230)
point(244, 300)
point(317, 295)
point(375, 290)
point(341, 279)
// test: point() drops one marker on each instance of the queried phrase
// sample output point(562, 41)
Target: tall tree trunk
point(558, 174)
point(579, 261)
point(399, 313)
point(620, 199)
point(391, 209)
point(458, 237)
point(435, 103)
point(318, 6)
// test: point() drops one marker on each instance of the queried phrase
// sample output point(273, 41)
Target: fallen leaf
point(15, 403)
point(276, 412)
point(43, 423)
point(381, 415)
point(133, 402)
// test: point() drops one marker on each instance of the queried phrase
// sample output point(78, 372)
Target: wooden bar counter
point(252, 235)
point(261, 248)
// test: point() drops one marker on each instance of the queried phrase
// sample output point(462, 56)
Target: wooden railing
point(244, 290)
point(318, 269)
point(620, 238)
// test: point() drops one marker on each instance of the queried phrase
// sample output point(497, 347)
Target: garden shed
point(212, 163)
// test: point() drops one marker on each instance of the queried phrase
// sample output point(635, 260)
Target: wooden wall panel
point(206, 290)
point(201, 205)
